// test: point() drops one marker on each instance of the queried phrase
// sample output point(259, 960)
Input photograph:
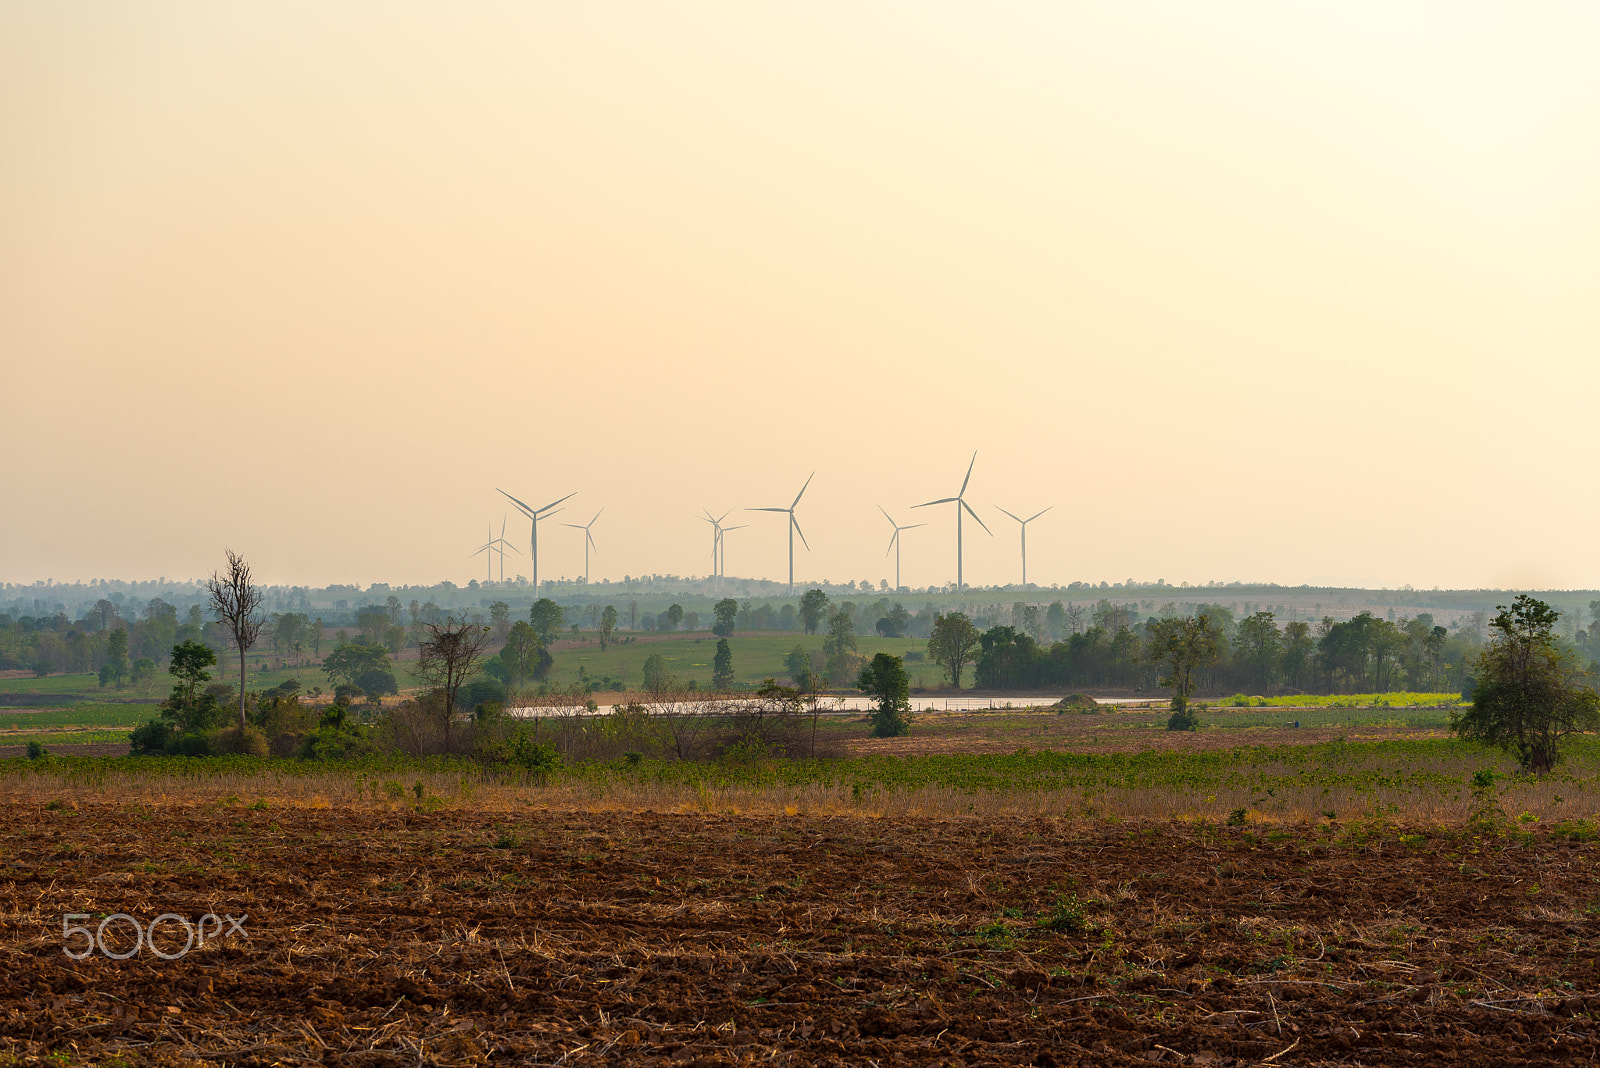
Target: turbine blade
point(591, 540)
point(528, 511)
point(575, 526)
point(941, 500)
point(913, 526)
point(507, 545)
point(552, 504)
point(741, 526)
point(1016, 517)
point(502, 528)
point(889, 517)
point(802, 492)
point(969, 474)
point(480, 550)
point(596, 516)
point(1036, 515)
point(892, 538)
point(724, 515)
point(769, 509)
point(800, 532)
point(974, 515)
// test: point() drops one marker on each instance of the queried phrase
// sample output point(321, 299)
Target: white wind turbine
point(894, 542)
point(1025, 523)
point(716, 543)
point(959, 500)
point(499, 545)
point(534, 515)
point(794, 527)
point(588, 540)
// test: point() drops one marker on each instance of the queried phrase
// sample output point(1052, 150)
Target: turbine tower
point(1025, 523)
point(794, 526)
point(534, 515)
point(588, 540)
point(894, 542)
point(959, 500)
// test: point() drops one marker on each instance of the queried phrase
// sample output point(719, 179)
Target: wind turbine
point(794, 525)
point(716, 544)
point(960, 502)
point(534, 515)
point(588, 540)
point(894, 542)
point(503, 546)
point(494, 545)
point(1025, 523)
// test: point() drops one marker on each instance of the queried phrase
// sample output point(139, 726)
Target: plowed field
point(399, 938)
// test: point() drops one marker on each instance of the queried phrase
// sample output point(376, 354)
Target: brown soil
point(390, 938)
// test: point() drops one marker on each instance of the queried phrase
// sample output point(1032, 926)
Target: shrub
point(241, 742)
point(1185, 720)
point(154, 737)
point(194, 744)
point(36, 751)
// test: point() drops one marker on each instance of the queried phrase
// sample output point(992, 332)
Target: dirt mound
point(1076, 702)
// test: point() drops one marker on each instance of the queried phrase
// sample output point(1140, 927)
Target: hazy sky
point(1262, 291)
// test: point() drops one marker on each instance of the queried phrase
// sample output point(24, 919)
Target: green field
point(756, 656)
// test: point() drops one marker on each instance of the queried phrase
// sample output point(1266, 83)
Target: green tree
point(546, 617)
point(886, 681)
point(143, 673)
point(1530, 693)
point(1183, 644)
point(673, 616)
point(189, 706)
point(839, 649)
point(798, 664)
point(1260, 651)
point(350, 663)
point(894, 622)
point(117, 655)
point(608, 626)
point(655, 672)
point(521, 653)
point(813, 609)
point(953, 644)
point(726, 612)
point(722, 666)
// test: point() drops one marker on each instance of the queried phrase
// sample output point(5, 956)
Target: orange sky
point(1258, 291)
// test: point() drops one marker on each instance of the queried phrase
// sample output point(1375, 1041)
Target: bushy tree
point(886, 681)
point(839, 649)
point(1530, 694)
point(813, 609)
point(798, 664)
point(953, 644)
point(1183, 644)
point(546, 617)
point(726, 612)
point(608, 625)
point(722, 666)
point(655, 672)
point(189, 706)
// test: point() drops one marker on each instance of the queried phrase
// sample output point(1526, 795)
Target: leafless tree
point(234, 599)
point(451, 653)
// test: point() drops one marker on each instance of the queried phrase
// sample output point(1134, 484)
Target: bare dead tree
point(234, 599)
point(452, 653)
